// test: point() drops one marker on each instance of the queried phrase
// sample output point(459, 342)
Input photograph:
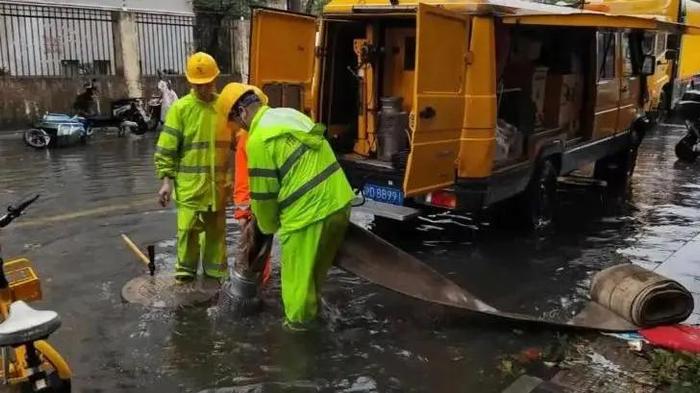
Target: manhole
point(162, 291)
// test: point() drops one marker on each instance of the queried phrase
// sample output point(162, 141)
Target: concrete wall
point(26, 99)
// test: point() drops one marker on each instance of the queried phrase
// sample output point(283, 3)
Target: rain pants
point(195, 148)
point(298, 190)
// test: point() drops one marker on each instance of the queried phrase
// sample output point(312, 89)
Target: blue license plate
point(384, 194)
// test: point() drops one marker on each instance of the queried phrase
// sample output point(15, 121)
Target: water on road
point(374, 340)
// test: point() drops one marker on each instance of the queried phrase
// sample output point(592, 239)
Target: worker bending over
point(298, 190)
point(241, 187)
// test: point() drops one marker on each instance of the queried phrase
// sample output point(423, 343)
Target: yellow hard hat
point(201, 69)
point(232, 92)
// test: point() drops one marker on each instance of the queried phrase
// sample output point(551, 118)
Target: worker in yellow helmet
point(299, 191)
point(240, 295)
point(194, 159)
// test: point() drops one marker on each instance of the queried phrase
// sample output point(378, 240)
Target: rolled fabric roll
point(640, 296)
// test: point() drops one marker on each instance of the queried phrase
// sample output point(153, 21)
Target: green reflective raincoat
point(195, 149)
point(298, 188)
point(295, 179)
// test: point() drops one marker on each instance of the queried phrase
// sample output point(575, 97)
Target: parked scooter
point(131, 116)
point(58, 130)
point(154, 107)
point(688, 148)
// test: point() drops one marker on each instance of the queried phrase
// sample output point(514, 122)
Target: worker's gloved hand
point(242, 216)
point(165, 193)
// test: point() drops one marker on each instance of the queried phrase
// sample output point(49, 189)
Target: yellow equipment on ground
point(28, 361)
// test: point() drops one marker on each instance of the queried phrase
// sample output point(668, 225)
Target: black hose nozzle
point(152, 259)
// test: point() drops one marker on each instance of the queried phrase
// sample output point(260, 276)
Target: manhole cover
point(162, 291)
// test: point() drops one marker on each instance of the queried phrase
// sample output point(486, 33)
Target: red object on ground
point(678, 337)
point(530, 355)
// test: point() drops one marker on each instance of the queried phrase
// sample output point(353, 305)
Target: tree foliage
point(227, 8)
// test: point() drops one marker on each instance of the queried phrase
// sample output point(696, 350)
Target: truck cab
point(675, 50)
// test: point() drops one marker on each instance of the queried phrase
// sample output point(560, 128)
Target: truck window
point(606, 55)
point(660, 44)
point(650, 43)
point(627, 66)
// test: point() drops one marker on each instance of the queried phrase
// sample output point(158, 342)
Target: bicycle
point(29, 362)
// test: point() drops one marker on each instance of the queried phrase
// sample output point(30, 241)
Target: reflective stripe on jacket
point(295, 178)
point(195, 148)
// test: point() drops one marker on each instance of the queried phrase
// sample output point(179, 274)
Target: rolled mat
point(641, 298)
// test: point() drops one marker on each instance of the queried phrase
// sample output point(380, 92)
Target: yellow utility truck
point(462, 104)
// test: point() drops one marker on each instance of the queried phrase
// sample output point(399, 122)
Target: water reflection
point(374, 340)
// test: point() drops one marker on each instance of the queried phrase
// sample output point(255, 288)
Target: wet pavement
point(374, 340)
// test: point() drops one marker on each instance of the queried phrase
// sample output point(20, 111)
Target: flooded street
point(374, 340)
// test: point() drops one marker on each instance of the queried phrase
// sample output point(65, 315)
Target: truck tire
point(534, 208)
point(540, 196)
point(663, 109)
point(660, 115)
point(617, 171)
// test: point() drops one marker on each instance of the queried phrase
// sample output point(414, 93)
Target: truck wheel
point(664, 106)
point(617, 171)
point(541, 196)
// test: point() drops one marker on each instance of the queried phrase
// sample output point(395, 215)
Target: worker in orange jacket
point(241, 191)
point(241, 187)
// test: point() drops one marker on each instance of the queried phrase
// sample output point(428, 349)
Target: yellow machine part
point(51, 360)
point(24, 282)
point(689, 65)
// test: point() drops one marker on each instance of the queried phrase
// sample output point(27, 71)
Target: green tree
point(213, 26)
point(315, 7)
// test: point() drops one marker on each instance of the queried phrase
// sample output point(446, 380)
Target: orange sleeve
point(241, 187)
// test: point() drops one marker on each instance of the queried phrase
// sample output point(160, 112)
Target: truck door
point(630, 86)
point(438, 99)
point(608, 85)
point(282, 58)
point(655, 44)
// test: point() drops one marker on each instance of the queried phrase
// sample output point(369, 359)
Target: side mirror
point(649, 65)
point(671, 54)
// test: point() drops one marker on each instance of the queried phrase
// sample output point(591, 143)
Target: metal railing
point(165, 41)
point(40, 40)
point(52, 40)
